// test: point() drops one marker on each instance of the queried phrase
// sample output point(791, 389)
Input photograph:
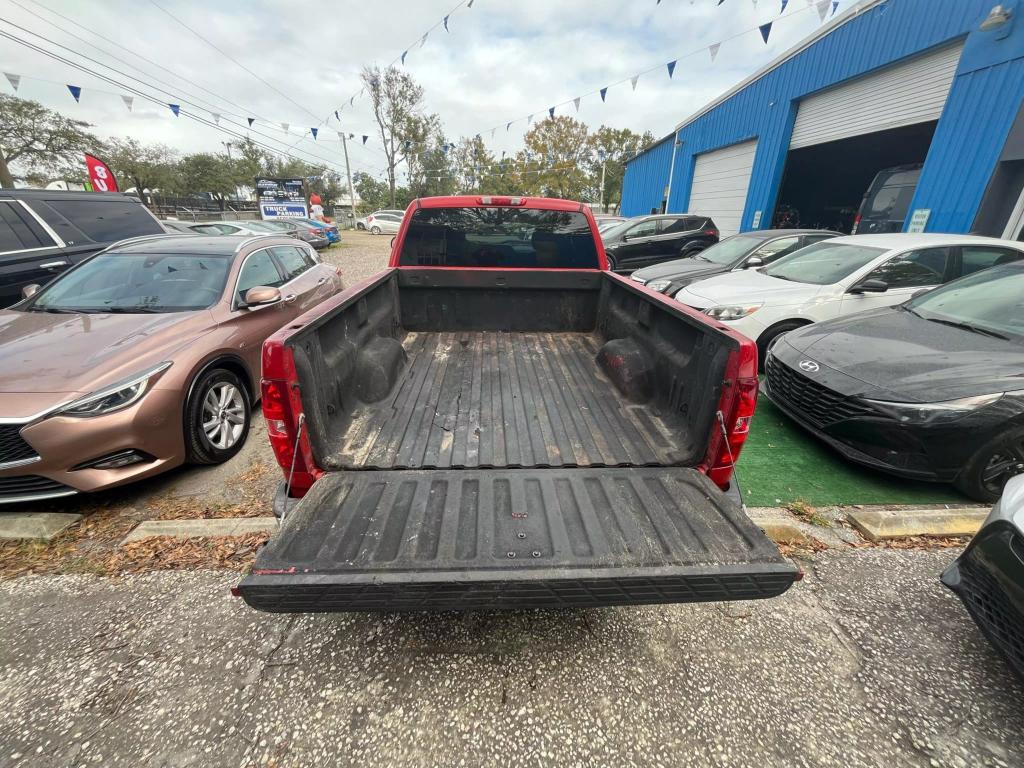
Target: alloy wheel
point(223, 415)
point(1005, 463)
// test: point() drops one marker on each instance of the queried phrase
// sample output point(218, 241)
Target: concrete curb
point(880, 524)
point(202, 528)
point(35, 525)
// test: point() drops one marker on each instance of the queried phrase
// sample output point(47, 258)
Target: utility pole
point(348, 173)
point(604, 163)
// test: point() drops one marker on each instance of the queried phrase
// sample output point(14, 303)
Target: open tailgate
point(429, 540)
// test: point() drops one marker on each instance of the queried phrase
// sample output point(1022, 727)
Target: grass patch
point(807, 513)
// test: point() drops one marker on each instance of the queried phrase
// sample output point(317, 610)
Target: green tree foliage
point(40, 142)
point(559, 150)
point(147, 168)
point(613, 147)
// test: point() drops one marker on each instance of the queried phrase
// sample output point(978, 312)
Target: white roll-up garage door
point(720, 182)
point(903, 94)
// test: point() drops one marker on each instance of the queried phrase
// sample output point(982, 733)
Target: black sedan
point(932, 389)
point(750, 249)
point(989, 576)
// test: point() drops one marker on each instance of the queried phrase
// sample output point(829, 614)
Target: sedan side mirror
point(870, 286)
point(30, 290)
point(261, 296)
point(753, 262)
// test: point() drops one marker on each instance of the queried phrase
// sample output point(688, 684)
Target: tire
point(207, 442)
point(690, 250)
point(770, 335)
point(375, 230)
point(988, 470)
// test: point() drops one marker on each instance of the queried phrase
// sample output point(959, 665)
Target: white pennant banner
point(823, 8)
point(576, 101)
point(128, 101)
point(714, 50)
point(633, 80)
point(216, 118)
point(14, 80)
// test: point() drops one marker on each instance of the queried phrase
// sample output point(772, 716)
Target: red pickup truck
point(498, 421)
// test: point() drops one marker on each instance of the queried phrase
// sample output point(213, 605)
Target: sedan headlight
point(659, 285)
point(113, 398)
point(732, 312)
point(934, 413)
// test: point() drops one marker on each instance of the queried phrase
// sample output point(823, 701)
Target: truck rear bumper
point(513, 539)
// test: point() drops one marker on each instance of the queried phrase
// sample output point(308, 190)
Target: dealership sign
point(281, 198)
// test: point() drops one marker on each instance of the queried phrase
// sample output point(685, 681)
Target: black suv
point(648, 240)
point(43, 232)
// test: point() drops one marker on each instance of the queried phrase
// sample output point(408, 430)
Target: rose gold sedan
point(143, 357)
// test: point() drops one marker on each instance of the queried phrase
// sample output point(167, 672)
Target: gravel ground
point(359, 255)
point(867, 662)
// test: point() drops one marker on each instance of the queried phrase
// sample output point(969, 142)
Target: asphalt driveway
point(867, 662)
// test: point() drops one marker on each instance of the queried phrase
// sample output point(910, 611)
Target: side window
point(259, 269)
point(816, 238)
point(107, 220)
point(978, 257)
point(695, 222)
point(776, 249)
point(226, 229)
point(18, 231)
point(206, 229)
point(644, 229)
point(914, 269)
point(294, 260)
point(674, 226)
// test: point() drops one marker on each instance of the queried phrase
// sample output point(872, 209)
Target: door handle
point(321, 281)
point(289, 298)
point(53, 264)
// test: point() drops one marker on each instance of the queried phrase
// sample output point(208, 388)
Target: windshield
point(521, 238)
point(261, 226)
point(730, 249)
point(823, 263)
point(992, 300)
point(136, 282)
point(613, 232)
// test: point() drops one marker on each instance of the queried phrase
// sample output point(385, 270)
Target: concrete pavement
point(867, 662)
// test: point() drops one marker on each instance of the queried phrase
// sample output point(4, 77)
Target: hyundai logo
point(809, 365)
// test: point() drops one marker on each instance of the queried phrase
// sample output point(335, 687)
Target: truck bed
point(497, 399)
point(527, 538)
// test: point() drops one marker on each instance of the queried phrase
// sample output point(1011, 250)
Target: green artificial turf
point(781, 463)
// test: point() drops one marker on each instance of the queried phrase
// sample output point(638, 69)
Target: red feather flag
point(100, 175)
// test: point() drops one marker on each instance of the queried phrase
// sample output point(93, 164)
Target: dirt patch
point(255, 501)
point(166, 553)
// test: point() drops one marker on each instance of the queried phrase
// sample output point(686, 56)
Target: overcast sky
point(500, 61)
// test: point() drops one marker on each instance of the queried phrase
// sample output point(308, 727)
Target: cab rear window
point(517, 238)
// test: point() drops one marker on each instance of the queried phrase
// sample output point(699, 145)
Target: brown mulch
point(166, 553)
point(255, 502)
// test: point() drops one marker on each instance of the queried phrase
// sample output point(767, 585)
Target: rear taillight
point(314, 232)
point(369, 218)
point(282, 409)
point(856, 223)
point(711, 232)
point(736, 406)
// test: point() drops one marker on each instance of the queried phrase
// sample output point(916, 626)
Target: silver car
point(233, 228)
point(363, 222)
point(384, 223)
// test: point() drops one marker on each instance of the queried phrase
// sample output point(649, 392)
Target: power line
point(197, 118)
point(233, 60)
point(318, 159)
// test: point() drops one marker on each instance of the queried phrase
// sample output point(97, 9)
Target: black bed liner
point(513, 538)
point(496, 399)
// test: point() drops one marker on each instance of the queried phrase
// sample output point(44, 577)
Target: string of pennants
point(825, 8)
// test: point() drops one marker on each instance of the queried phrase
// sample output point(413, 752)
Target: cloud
point(499, 62)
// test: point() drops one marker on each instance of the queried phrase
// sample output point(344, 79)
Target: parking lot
point(110, 660)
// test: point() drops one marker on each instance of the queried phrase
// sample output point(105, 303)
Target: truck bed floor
point(496, 399)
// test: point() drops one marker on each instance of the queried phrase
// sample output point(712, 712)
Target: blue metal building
point(884, 84)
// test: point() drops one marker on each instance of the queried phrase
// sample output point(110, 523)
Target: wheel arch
point(229, 362)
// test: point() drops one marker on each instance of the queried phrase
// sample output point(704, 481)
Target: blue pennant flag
point(404, 54)
point(721, 1)
point(507, 126)
point(313, 131)
point(765, 30)
point(365, 137)
point(336, 117)
point(551, 111)
point(76, 91)
point(671, 68)
point(784, 4)
point(445, 23)
point(835, 4)
point(175, 108)
point(251, 120)
point(604, 92)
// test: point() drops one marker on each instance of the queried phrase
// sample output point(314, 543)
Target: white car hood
point(743, 287)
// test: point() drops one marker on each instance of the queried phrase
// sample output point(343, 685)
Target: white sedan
point(839, 277)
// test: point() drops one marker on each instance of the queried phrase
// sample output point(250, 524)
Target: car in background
point(988, 576)
point(932, 389)
point(312, 235)
point(151, 360)
point(328, 230)
point(606, 221)
point(647, 240)
point(247, 227)
point(45, 231)
point(384, 223)
point(175, 227)
point(744, 251)
point(839, 277)
point(362, 223)
point(887, 202)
